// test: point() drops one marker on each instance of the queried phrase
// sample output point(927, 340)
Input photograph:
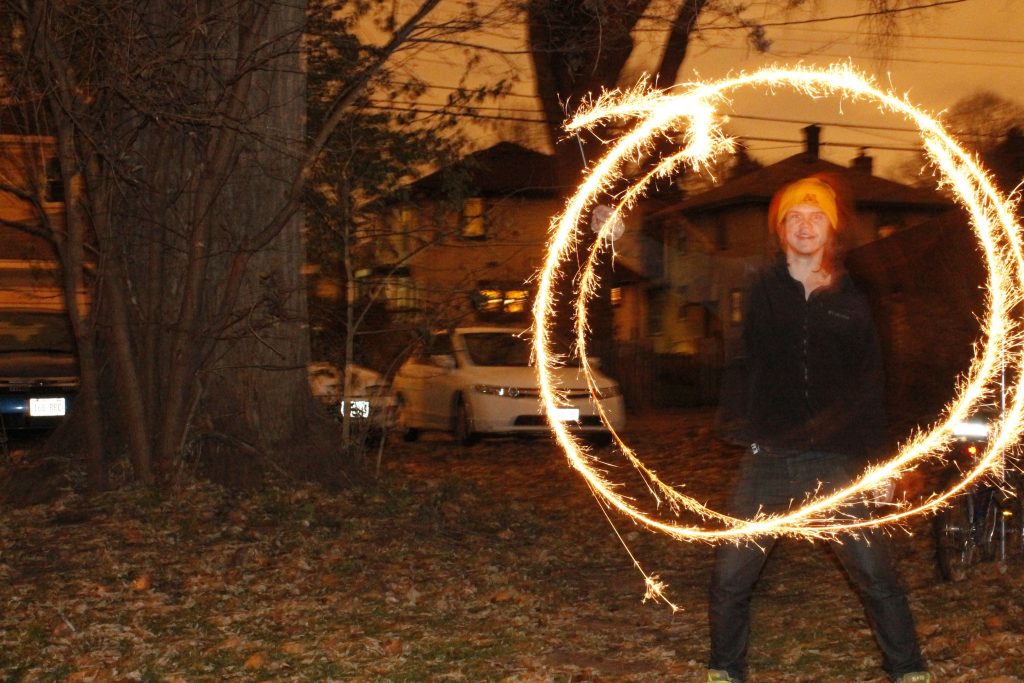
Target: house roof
point(758, 187)
point(501, 170)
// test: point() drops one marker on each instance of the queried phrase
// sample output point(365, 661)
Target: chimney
point(862, 162)
point(812, 141)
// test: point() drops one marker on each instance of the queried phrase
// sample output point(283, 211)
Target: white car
point(475, 381)
point(370, 401)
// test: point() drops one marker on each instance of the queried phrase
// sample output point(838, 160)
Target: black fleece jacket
point(812, 369)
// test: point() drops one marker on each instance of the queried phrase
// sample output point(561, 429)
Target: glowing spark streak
point(819, 515)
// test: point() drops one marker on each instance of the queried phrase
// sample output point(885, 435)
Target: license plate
point(356, 408)
point(566, 414)
point(46, 407)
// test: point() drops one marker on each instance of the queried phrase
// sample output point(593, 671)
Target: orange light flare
point(691, 109)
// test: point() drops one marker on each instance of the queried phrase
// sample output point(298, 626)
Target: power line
point(909, 60)
point(745, 138)
point(463, 114)
point(837, 17)
point(751, 117)
point(830, 124)
point(916, 48)
point(854, 145)
point(901, 36)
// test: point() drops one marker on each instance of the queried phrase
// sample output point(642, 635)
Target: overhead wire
point(504, 117)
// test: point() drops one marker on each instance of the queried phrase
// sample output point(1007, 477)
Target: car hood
point(566, 378)
point(38, 366)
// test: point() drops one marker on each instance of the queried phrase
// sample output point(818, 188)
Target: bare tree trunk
point(133, 401)
point(183, 147)
point(344, 193)
point(71, 251)
point(678, 42)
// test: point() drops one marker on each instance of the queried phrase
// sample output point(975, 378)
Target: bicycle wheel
point(988, 523)
point(956, 547)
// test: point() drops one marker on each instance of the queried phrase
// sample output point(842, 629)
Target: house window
point(406, 218)
point(401, 294)
point(495, 301)
point(736, 306)
point(473, 224)
point(54, 190)
point(406, 223)
point(656, 311)
point(491, 300)
point(515, 301)
point(616, 296)
point(393, 287)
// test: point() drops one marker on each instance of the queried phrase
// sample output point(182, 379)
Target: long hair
point(838, 238)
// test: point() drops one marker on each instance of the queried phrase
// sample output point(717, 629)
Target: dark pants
point(776, 483)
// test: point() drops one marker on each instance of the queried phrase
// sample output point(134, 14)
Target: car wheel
point(600, 440)
point(408, 433)
point(462, 419)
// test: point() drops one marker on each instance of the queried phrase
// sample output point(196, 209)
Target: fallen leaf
point(256, 661)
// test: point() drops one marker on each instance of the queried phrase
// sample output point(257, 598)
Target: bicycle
point(986, 521)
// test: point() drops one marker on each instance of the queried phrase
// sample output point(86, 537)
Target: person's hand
point(884, 492)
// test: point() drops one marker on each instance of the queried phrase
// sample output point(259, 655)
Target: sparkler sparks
point(691, 111)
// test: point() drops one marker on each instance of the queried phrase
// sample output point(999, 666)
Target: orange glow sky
point(941, 55)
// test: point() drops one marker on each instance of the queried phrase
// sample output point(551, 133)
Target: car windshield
point(34, 331)
point(497, 349)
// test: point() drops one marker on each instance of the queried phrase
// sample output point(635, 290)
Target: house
point(31, 208)
point(712, 241)
point(438, 261)
point(700, 252)
point(469, 261)
point(926, 287)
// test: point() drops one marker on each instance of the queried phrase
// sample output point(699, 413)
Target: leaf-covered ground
point(492, 563)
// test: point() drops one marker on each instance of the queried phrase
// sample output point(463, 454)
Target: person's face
point(807, 230)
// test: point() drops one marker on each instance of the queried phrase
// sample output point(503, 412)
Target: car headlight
point(971, 430)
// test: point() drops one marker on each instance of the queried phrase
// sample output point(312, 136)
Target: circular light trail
point(689, 112)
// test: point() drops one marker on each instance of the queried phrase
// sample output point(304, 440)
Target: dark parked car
point(38, 369)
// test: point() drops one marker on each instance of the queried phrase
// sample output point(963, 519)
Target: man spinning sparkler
point(812, 413)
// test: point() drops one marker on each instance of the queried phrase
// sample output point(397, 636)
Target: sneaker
point(915, 677)
point(719, 676)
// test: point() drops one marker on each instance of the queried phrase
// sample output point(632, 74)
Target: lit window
point(473, 225)
point(515, 301)
point(736, 306)
point(407, 218)
point(401, 294)
point(616, 295)
point(494, 301)
point(491, 300)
